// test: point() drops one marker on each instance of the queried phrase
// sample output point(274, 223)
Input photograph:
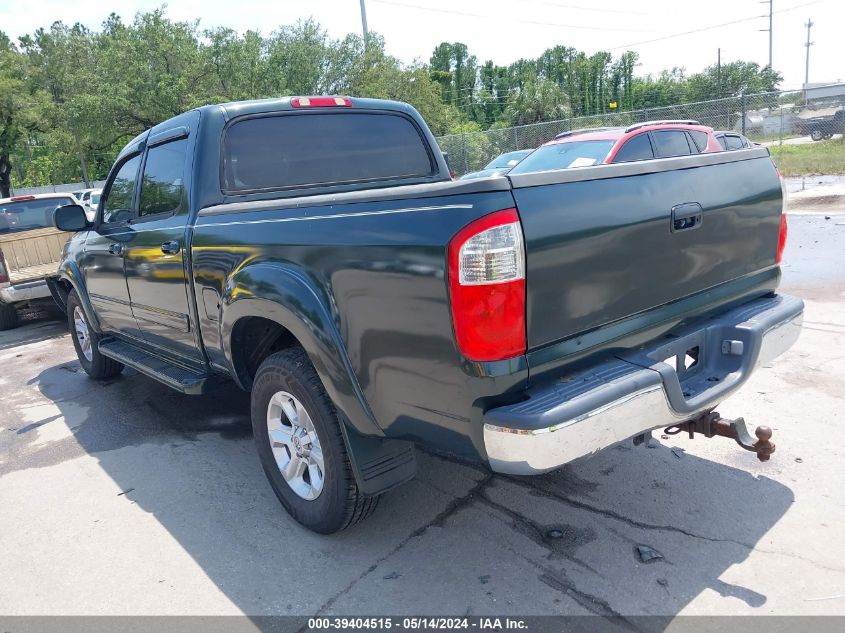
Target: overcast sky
point(506, 30)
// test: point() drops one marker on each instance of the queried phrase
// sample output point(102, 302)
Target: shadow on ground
point(455, 540)
point(34, 326)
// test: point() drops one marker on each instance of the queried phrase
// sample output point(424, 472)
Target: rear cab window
point(293, 151)
point(25, 215)
point(565, 156)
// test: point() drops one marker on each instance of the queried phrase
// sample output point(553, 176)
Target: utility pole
point(364, 20)
point(719, 73)
point(769, 2)
point(809, 25)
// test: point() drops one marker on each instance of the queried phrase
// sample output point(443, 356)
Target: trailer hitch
point(712, 424)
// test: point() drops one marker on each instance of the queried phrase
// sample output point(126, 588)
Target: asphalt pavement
point(124, 497)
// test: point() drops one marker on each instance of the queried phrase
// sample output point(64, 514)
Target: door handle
point(116, 249)
point(170, 248)
point(686, 217)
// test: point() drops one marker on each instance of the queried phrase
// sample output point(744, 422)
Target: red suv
point(602, 146)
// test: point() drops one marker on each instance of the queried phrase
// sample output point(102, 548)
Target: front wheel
point(301, 446)
point(86, 342)
point(816, 135)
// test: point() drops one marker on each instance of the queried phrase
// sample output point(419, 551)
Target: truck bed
point(33, 254)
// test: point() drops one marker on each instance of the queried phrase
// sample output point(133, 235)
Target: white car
point(88, 200)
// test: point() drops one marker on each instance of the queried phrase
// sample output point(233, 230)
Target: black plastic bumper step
point(175, 376)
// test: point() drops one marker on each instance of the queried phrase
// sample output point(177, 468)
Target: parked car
point(500, 165)
point(91, 205)
point(604, 146)
point(30, 249)
point(729, 140)
point(315, 251)
point(820, 124)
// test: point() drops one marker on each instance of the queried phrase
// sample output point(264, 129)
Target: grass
point(810, 159)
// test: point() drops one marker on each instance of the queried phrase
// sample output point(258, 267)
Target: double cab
point(315, 251)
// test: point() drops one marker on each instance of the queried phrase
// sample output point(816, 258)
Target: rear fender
point(283, 294)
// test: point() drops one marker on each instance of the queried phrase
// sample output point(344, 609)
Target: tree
point(537, 101)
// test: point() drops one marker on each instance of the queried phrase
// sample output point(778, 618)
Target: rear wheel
point(8, 316)
point(86, 342)
point(816, 135)
point(301, 447)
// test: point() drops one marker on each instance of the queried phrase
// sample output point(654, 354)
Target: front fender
point(283, 294)
point(69, 272)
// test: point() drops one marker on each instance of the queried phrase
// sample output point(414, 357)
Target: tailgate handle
point(116, 249)
point(686, 217)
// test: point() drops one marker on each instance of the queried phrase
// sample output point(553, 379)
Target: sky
point(506, 30)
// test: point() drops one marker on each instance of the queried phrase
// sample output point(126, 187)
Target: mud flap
point(379, 464)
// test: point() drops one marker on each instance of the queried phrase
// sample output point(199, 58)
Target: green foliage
point(71, 97)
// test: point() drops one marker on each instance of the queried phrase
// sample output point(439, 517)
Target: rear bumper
point(636, 392)
point(25, 291)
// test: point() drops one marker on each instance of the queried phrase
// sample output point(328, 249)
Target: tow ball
point(712, 424)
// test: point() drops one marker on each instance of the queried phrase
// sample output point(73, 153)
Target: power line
point(709, 28)
point(593, 9)
point(579, 27)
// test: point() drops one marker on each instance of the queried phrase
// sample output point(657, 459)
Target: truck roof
point(232, 109)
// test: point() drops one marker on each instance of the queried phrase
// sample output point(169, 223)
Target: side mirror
point(70, 217)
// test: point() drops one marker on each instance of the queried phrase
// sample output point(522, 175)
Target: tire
point(816, 135)
point(95, 364)
point(8, 316)
point(338, 504)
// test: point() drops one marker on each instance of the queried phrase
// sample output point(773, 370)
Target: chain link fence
point(770, 118)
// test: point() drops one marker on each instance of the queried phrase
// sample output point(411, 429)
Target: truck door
point(156, 259)
point(102, 259)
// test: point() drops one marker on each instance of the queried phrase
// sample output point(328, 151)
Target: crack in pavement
point(559, 581)
point(657, 527)
point(453, 507)
point(581, 505)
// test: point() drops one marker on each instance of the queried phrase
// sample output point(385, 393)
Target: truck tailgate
point(32, 254)
point(608, 242)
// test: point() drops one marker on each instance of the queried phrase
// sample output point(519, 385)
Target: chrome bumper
point(638, 392)
point(24, 291)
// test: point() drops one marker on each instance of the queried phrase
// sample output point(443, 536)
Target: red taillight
point(4, 273)
point(783, 226)
point(782, 236)
point(320, 102)
point(21, 198)
point(487, 287)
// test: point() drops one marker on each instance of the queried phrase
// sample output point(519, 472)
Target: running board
point(176, 376)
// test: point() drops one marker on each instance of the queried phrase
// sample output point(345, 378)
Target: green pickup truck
point(316, 251)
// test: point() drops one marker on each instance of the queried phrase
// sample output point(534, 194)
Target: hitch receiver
point(712, 424)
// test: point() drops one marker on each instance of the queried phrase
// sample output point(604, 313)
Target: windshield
point(29, 214)
point(507, 160)
point(565, 155)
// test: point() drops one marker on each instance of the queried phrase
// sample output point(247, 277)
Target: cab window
point(117, 206)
